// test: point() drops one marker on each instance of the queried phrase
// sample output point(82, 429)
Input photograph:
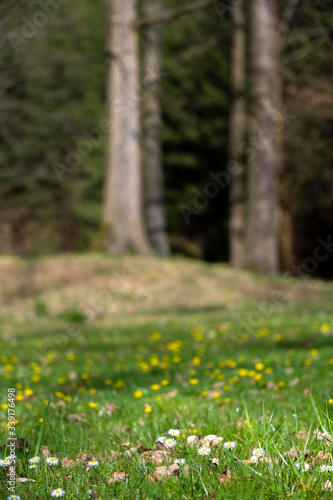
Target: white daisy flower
point(93, 463)
point(179, 461)
point(34, 460)
point(173, 432)
point(204, 451)
point(215, 461)
point(229, 444)
point(52, 461)
point(33, 466)
point(170, 443)
point(210, 437)
point(298, 465)
point(329, 468)
point(14, 497)
point(258, 452)
point(161, 439)
point(323, 468)
point(305, 467)
point(11, 457)
point(58, 493)
point(5, 462)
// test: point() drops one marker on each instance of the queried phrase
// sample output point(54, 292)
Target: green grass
point(256, 379)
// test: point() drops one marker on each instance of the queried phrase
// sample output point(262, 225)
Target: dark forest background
point(52, 101)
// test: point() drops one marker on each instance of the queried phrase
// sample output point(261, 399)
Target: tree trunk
point(237, 136)
point(151, 128)
point(123, 222)
point(262, 240)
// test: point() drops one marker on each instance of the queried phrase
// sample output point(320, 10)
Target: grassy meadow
point(127, 349)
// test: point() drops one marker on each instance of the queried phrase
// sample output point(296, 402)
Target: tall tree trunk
point(236, 138)
point(262, 240)
point(151, 128)
point(123, 221)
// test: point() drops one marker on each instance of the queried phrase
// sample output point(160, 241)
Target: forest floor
point(130, 348)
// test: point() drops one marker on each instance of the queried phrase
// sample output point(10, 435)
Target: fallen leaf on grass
point(294, 382)
point(327, 485)
point(158, 456)
point(119, 475)
point(108, 409)
point(93, 495)
point(20, 444)
point(24, 480)
point(66, 462)
point(165, 472)
point(45, 452)
point(193, 441)
point(296, 453)
point(322, 435)
point(225, 477)
point(172, 394)
point(76, 417)
point(321, 456)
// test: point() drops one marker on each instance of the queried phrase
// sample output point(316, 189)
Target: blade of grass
point(40, 435)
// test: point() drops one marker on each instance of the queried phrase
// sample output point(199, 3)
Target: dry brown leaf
point(142, 448)
point(321, 456)
point(73, 376)
point(108, 409)
point(302, 435)
point(66, 462)
point(24, 480)
point(193, 441)
point(69, 477)
point(172, 394)
point(270, 385)
point(126, 428)
point(93, 495)
point(322, 435)
point(165, 472)
point(76, 417)
point(119, 475)
point(294, 382)
point(296, 453)
point(158, 456)
point(45, 452)
point(327, 485)
point(225, 477)
point(130, 452)
point(20, 444)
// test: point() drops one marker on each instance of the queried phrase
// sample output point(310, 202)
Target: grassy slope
point(235, 345)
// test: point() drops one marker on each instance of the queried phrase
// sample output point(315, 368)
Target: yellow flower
point(308, 362)
point(330, 361)
point(35, 378)
point(330, 401)
point(268, 370)
point(93, 391)
point(227, 400)
point(67, 398)
point(18, 385)
point(193, 381)
point(281, 384)
point(61, 380)
point(138, 394)
point(196, 361)
point(165, 382)
point(4, 406)
point(9, 367)
point(40, 420)
point(82, 389)
point(85, 376)
point(155, 387)
point(242, 372)
point(148, 409)
point(158, 398)
point(258, 376)
point(216, 394)
point(314, 352)
point(119, 384)
point(259, 366)
point(93, 405)
point(278, 337)
point(70, 357)
point(107, 381)
point(28, 392)
point(204, 393)
point(59, 394)
point(19, 397)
